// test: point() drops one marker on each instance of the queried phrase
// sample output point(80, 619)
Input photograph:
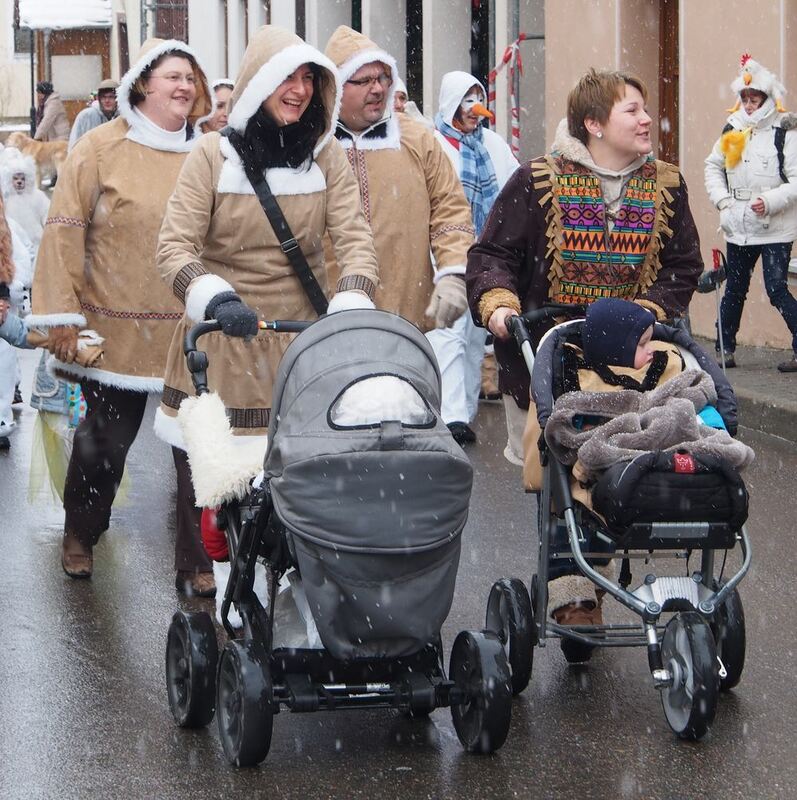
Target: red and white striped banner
point(512, 58)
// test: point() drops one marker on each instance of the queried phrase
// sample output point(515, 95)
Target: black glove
point(234, 316)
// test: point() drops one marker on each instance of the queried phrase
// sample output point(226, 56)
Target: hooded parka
point(96, 265)
point(410, 194)
point(216, 238)
point(27, 207)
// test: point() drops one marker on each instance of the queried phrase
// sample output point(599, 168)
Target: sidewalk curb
point(778, 418)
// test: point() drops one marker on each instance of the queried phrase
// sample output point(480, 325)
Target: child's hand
point(4, 307)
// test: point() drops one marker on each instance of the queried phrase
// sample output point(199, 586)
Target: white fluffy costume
point(27, 206)
point(743, 165)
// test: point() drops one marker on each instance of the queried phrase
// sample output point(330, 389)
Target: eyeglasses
point(176, 77)
point(383, 80)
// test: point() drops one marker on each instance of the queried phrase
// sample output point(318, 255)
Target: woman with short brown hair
point(599, 216)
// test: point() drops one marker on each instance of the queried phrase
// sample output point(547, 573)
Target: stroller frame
point(251, 681)
point(704, 603)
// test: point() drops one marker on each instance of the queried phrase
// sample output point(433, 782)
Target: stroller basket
point(374, 512)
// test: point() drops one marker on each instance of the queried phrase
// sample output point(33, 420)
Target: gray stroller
point(370, 512)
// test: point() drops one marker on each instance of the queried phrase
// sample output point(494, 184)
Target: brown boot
point(195, 584)
point(581, 613)
point(76, 557)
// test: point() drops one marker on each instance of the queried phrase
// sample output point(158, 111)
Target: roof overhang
point(60, 15)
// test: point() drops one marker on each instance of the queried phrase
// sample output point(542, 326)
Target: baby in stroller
point(624, 465)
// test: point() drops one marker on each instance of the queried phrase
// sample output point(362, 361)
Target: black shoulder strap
point(780, 138)
point(287, 241)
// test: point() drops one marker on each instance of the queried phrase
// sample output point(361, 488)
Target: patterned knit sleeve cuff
point(495, 299)
point(654, 308)
point(184, 277)
point(356, 283)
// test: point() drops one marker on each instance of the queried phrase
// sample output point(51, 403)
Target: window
point(171, 19)
point(22, 36)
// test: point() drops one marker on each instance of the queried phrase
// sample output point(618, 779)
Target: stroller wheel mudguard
point(480, 671)
point(191, 657)
point(689, 654)
point(729, 631)
point(510, 617)
point(244, 698)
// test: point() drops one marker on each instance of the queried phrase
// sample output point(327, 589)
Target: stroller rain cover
point(374, 511)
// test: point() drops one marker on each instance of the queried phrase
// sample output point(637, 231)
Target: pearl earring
point(599, 134)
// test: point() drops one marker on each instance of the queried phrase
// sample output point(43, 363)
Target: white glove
point(349, 301)
point(449, 301)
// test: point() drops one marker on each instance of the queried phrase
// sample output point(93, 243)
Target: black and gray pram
point(692, 623)
point(370, 513)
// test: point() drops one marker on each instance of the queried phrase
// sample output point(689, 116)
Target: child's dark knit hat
point(612, 331)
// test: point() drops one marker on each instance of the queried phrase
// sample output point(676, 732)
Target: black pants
point(99, 451)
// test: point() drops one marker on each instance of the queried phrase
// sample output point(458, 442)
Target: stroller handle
point(197, 360)
point(518, 326)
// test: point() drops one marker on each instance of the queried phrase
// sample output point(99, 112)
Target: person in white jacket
point(24, 202)
point(483, 161)
point(751, 177)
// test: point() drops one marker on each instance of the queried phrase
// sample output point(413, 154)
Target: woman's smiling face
point(627, 131)
point(291, 98)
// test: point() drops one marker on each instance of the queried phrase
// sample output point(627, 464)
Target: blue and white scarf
point(476, 171)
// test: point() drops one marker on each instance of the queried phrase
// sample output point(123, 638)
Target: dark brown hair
point(593, 97)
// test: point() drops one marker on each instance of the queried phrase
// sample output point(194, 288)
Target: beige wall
point(14, 70)
point(624, 34)
point(709, 62)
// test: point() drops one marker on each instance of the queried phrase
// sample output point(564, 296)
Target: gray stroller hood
point(374, 511)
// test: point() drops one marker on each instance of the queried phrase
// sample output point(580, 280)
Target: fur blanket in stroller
point(639, 422)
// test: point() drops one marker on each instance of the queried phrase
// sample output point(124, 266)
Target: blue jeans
point(741, 262)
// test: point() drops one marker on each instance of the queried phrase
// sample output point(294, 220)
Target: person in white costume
point(483, 161)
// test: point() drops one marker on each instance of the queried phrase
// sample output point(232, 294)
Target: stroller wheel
point(480, 671)
point(689, 653)
point(244, 698)
point(191, 657)
point(510, 618)
point(729, 634)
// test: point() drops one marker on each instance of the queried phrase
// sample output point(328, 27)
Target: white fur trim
point(132, 75)
point(133, 383)
point(390, 141)
point(281, 180)
point(168, 429)
point(200, 292)
point(441, 273)
point(570, 589)
point(349, 301)
point(222, 465)
point(52, 320)
point(265, 81)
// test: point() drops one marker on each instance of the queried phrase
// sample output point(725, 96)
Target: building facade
point(687, 52)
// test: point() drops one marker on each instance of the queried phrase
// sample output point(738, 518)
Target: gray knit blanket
point(639, 422)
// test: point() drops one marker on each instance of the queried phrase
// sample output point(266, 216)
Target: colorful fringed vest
point(588, 260)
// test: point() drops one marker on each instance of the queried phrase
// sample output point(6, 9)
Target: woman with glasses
point(96, 270)
point(218, 251)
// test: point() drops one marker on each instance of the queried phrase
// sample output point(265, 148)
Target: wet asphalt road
point(83, 708)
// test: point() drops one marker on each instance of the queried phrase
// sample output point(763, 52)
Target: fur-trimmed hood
point(13, 162)
point(151, 50)
point(350, 50)
point(274, 53)
point(573, 149)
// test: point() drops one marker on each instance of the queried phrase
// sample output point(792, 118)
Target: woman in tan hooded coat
point(218, 251)
point(96, 269)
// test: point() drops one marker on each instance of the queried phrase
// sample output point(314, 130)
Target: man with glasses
point(410, 193)
point(103, 109)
